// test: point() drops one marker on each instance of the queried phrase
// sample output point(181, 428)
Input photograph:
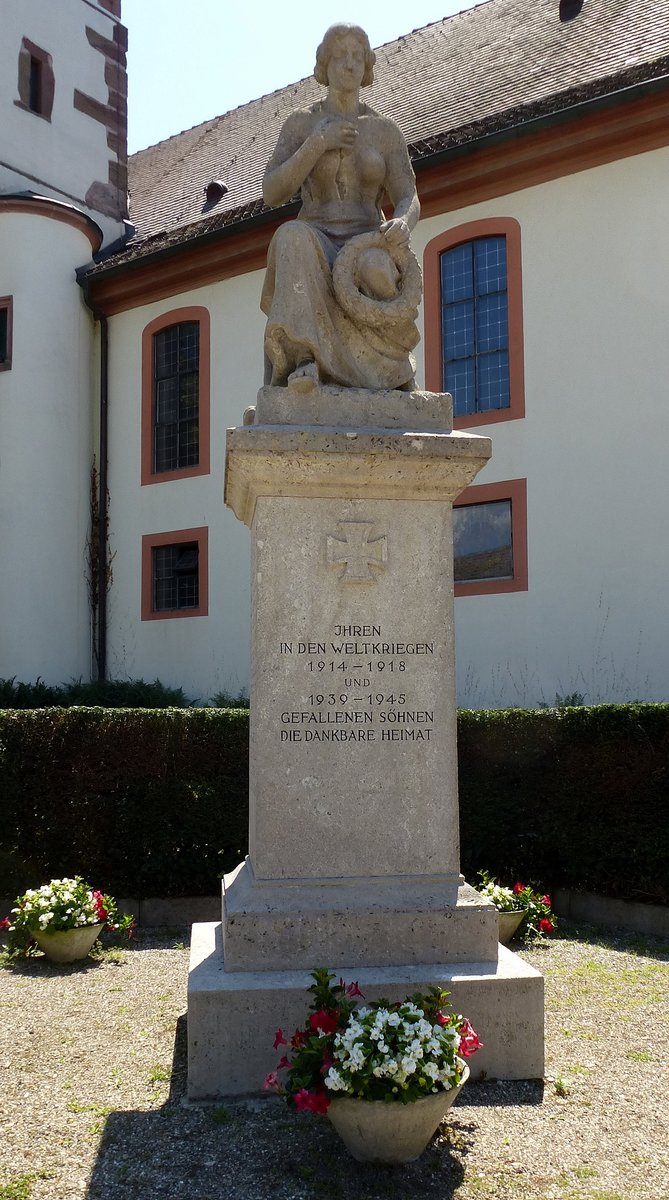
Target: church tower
point(63, 154)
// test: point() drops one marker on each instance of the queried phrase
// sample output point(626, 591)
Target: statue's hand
point(336, 134)
point(396, 232)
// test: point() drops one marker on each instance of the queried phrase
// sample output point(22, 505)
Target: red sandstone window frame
point(487, 227)
point(175, 317)
point(175, 537)
point(514, 490)
point(30, 54)
point(7, 306)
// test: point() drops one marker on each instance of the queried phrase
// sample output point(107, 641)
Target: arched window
point(175, 396)
point(474, 320)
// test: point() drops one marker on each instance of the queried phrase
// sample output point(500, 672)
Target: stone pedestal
point(353, 852)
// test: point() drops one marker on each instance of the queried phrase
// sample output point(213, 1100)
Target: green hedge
point(574, 797)
point(109, 693)
point(142, 803)
point(154, 802)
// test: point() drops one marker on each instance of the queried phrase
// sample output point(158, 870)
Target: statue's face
point(346, 63)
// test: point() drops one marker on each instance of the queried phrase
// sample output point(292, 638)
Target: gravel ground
point(92, 1078)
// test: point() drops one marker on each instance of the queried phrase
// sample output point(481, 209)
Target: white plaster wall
point(64, 156)
point(45, 453)
point(201, 654)
point(592, 446)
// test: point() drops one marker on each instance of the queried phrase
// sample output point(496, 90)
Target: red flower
point(323, 1022)
point(546, 900)
point(298, 1039)
point(518, 888)
point(546, 926)
point(284, 1062)
point(316, 1102)
point(302, 1100)
point(353, 990)
point(320, 1103)
point(279, 1039)
point(5, 923)
point(469, 1040)
point(441, 1019)
point(99, 904)
point(271, 1081)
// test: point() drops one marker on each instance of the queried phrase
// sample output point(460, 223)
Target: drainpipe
point(102, 519)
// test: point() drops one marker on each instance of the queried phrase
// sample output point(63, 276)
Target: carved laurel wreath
point(364, 310)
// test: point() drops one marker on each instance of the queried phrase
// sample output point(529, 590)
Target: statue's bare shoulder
point(294, 131)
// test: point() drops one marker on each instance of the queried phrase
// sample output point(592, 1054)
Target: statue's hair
point(325, 48)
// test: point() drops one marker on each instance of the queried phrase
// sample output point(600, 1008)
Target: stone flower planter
point(68, 945)
point(374, 1131)
point(509, 922)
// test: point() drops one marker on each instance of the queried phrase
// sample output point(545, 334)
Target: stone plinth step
point(392, 921)
point(232, 1016)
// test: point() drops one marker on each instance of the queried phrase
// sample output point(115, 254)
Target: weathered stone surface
point(355, 408)
point(280, 461)
point(232, 1015)
point(382, 921)
point(353, 811)
point(342, 288)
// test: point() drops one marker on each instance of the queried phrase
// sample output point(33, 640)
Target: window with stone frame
point(36, 80)
point(174, 574)
point(6, 306)
point(490, 538)
point(175, 396)
point(473, 321)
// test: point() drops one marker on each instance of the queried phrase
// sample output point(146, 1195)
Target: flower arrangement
point(386, 1051)
point(539, 917)
point(59, 905)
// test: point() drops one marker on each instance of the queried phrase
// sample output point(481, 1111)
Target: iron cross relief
point(357, 552)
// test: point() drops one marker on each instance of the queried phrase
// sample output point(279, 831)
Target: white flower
point(334, 1081)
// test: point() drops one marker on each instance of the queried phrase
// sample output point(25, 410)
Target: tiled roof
point(498, 64)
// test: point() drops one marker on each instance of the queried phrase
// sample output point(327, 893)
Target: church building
point(131, 337)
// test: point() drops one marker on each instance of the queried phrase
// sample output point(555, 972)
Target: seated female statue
point(342, 287)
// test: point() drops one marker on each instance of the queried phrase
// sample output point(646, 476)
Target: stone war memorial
point(345, 475)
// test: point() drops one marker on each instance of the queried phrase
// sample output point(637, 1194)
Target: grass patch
point(21, 1187)
point(159, 1074)
point(220, 1115)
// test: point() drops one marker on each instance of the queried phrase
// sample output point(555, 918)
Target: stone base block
point(232, 1016)
point(354, 408)
point(397, 921)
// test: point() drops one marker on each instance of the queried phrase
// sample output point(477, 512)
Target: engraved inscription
point(357, 552)
point(337, 698)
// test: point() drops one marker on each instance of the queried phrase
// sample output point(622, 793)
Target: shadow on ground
point(253, 1149)
point(256, 1148)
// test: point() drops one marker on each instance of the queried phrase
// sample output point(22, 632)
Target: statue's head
point(325, 49)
